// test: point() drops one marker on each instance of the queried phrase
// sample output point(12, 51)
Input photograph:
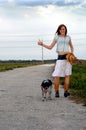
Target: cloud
point(72, 6)
point(30, 15)
point(30, 3)
point(48, 2)
point(42, 3)
point(67, 3)
point(10, 1)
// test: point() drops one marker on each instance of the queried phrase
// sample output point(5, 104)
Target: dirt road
point(22, 108)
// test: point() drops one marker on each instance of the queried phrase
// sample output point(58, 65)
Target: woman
point(62, 68)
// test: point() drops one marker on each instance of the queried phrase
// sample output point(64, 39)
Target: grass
point(4, 66)
point(12, 64)
point(78, 82)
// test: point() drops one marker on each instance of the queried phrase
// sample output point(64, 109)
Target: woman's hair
point(59, 28)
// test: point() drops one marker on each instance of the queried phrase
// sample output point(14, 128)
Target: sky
point(30, 20)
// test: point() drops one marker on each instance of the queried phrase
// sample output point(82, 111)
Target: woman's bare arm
point(71, 47)
point(47, 46)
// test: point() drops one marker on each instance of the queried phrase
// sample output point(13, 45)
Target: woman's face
point(62, 30)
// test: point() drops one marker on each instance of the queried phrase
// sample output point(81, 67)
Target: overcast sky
point(35, 16)
point(40, 19)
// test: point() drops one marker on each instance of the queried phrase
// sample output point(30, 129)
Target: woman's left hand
point(40, 42)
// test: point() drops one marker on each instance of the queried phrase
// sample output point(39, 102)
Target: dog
point(46, 87)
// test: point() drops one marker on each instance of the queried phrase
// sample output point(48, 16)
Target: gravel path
point(22, 108)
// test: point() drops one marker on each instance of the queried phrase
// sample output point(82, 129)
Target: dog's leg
point(50, 92)
point(43, 97)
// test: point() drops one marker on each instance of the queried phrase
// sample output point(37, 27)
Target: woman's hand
point(69, 53)
point(40, 43)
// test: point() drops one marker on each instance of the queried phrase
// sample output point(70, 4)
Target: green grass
point(78, 82)
point(12, 65)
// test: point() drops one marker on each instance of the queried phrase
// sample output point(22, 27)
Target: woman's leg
point(67, 82)
point(66, 86)
point(56, 84)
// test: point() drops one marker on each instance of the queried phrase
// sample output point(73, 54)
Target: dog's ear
point(50, 82)
point(43, 82)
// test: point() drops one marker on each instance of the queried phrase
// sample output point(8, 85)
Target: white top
point(62, 43)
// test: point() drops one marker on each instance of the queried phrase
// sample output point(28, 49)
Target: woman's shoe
point(66, 94)
point(57, 94)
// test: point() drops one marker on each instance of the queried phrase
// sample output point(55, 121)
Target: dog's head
point(46, 84)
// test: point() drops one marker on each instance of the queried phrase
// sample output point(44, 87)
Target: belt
point(62, 57)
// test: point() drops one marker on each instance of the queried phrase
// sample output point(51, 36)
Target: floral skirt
point(62, 68)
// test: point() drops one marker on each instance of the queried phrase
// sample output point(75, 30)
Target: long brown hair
point(59, 28)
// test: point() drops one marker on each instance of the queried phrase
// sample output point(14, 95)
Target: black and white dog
point(46, 87)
